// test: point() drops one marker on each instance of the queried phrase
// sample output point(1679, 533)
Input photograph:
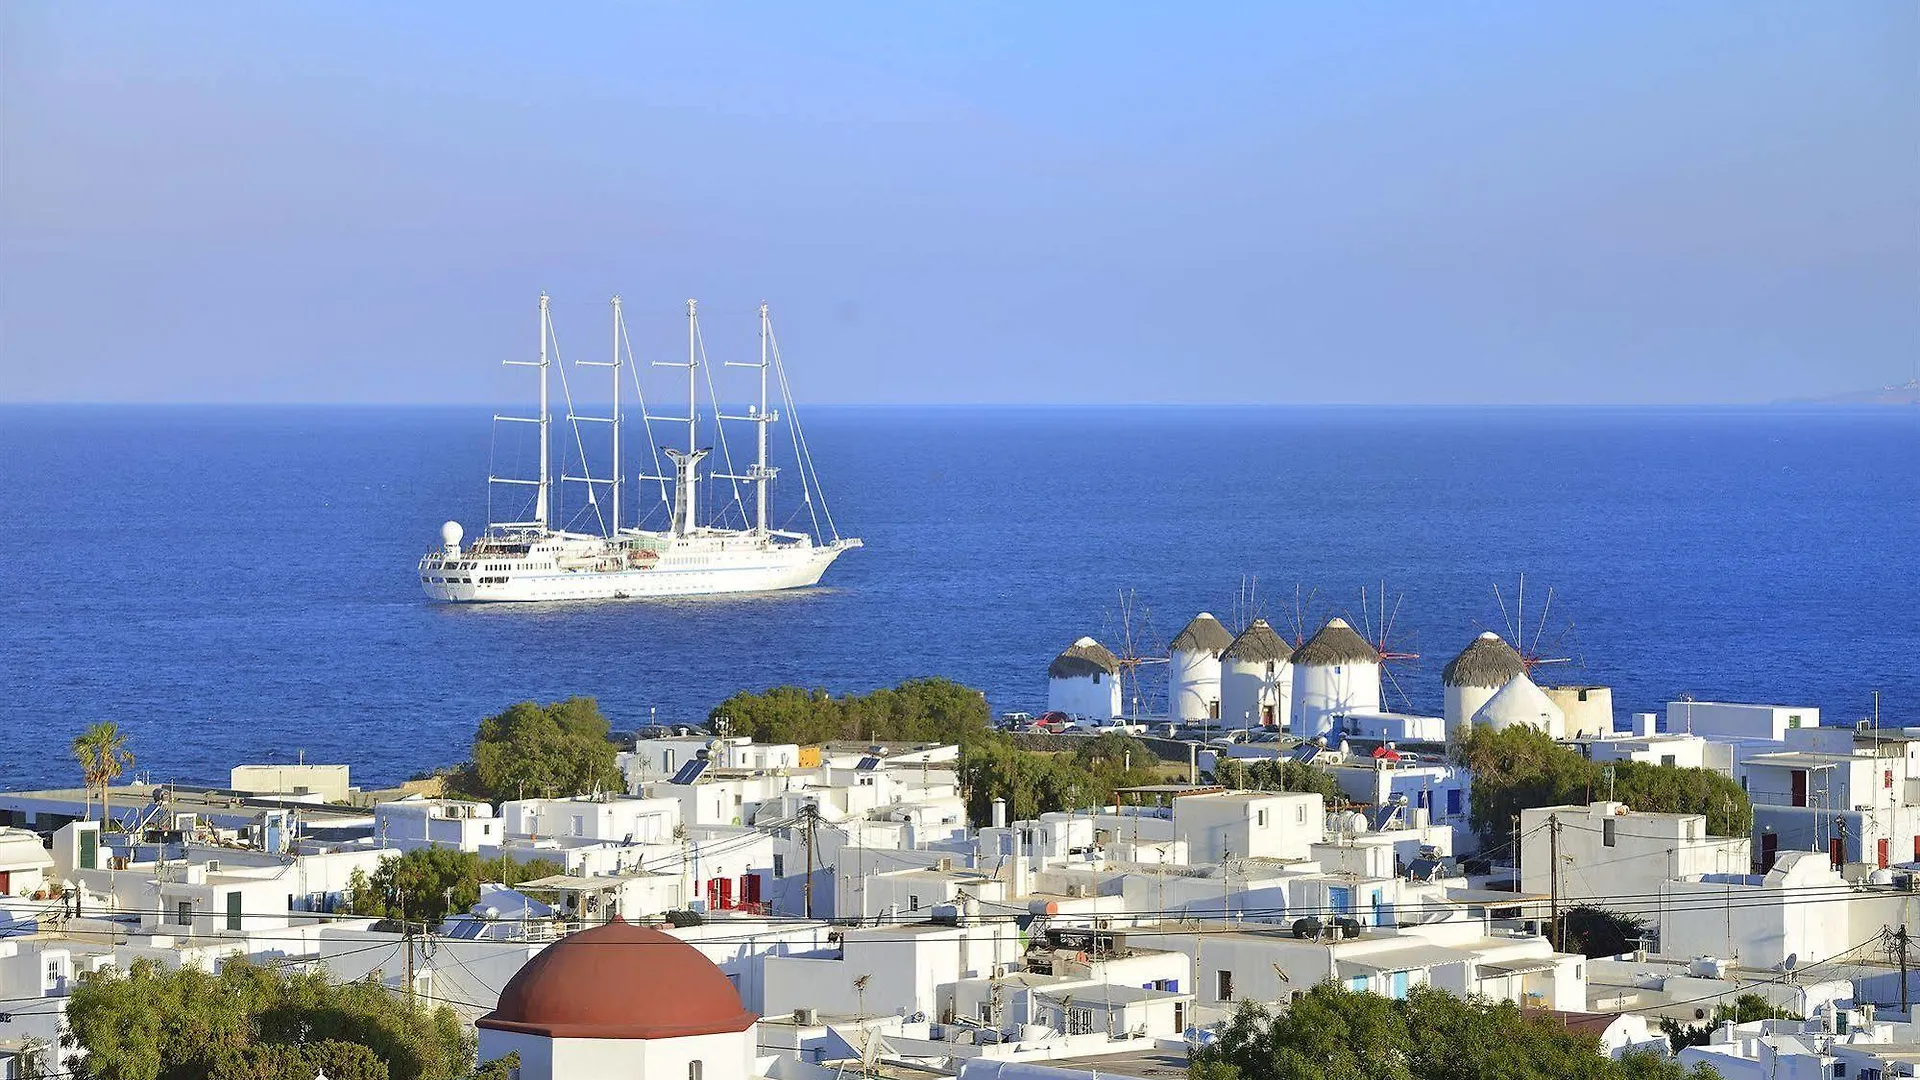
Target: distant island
point(1906, 393)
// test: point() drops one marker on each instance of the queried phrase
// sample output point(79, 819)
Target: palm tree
point(103, 756)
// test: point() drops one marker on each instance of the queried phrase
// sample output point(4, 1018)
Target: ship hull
point(755, 572)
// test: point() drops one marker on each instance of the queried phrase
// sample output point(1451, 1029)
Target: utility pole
point(1900, 940)
point(806, 887)
point(407, 930)
point(1553, 876)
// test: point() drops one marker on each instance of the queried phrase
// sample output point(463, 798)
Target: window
point(183, 913)
point(1079, 1020)
point(1609, 832)
point(1668, 760)
point(1793, 720)
point(233, 910)
point(913, 903)
point(693, 1069)
point(779, 865)
point(1300, 814)
point(1223, 985)
point(1260, 819)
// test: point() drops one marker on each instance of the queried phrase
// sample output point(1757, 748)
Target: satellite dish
point(1792, 961)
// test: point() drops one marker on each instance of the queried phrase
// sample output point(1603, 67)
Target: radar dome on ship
point(450, 534)
point(1084, 680)
point(1335, 672)
point(1482, 668)
point(1256, 678)
point(1195, 676)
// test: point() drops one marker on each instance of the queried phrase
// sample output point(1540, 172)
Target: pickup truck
point(1114, 726)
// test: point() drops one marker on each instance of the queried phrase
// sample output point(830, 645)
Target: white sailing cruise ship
point(532, 560)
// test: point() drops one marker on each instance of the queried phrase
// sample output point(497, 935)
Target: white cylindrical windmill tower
point(1522, 702)
point(1336, 672)
point(1194, 681)
point(1256, 678)
point(1482, 668)
point(1084, 680)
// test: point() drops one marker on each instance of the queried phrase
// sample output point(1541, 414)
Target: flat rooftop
point(1151, 1063)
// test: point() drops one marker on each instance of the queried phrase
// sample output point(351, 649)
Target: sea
point(238, 584)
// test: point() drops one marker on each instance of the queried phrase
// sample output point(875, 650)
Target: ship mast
point(617, 472)
point(761, 472)
point(686, 462)
point(542, 519)
point(546, 480)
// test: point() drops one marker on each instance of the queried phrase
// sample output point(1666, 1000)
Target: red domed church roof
point(619, 981)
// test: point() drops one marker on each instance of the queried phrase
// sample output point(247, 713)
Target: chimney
point(999, 813)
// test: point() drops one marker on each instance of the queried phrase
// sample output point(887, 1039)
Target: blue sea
point(238, 585)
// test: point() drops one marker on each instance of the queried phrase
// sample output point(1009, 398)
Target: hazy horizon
point(1486, 204)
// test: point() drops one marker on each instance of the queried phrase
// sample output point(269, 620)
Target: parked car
point(1014, 721)
point(1115, 726)
point(1054, 721)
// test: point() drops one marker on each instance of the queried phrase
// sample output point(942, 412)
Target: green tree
point(918, 710)
point(1519, 768)
point(533, 750)
point(1267, 774)
point(102, 753)
point(1596, 931)
point(1342, 1034)
point(249, 1021)
point(1745, 1010)
point(426, 885)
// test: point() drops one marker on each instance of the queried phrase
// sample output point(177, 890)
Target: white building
point(1256, 679)
point(1483, 667)
point(1719, 719)
point(1274, 964)
point(1194, 680)
point(1586, 710)
point(23, 862)
point(324, 783)
point(1521, 702)
point(1612, 856)
point(414, 822)
point(1084, 680)
point(618, 1002)
point(1847, 1043)
point(1860, 805)
point(1800, 912)
point(1335, 672)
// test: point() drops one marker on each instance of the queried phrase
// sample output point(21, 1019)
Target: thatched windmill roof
point(1336, 643)
point(1488, 662)
point(1258, 644)
point(1203, 634)
point(1083, 658)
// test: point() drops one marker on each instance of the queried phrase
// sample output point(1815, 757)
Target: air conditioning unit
point(944, 864)
point(213, 866)
point(806, 1017)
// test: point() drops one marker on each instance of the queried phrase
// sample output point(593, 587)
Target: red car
point(1053, 721)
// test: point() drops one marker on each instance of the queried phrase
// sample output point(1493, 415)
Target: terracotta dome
point(619, 981)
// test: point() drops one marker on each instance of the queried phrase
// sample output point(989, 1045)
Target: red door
point(1799, 787)
point(713, 893)
point(1916, 847)
point(1837, 851)
point(6, 876)
point(1883, 854)
point(726, 892)
point(750, 891)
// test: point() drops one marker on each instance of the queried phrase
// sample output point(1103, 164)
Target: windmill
point(1139, 647)
point(1376, 624)
point(1530, 639)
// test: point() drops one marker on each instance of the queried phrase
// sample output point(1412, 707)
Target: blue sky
point(1392, 203)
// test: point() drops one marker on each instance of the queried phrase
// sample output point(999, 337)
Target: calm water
point(238, 585)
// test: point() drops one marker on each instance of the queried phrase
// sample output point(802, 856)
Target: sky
point(965, 203)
